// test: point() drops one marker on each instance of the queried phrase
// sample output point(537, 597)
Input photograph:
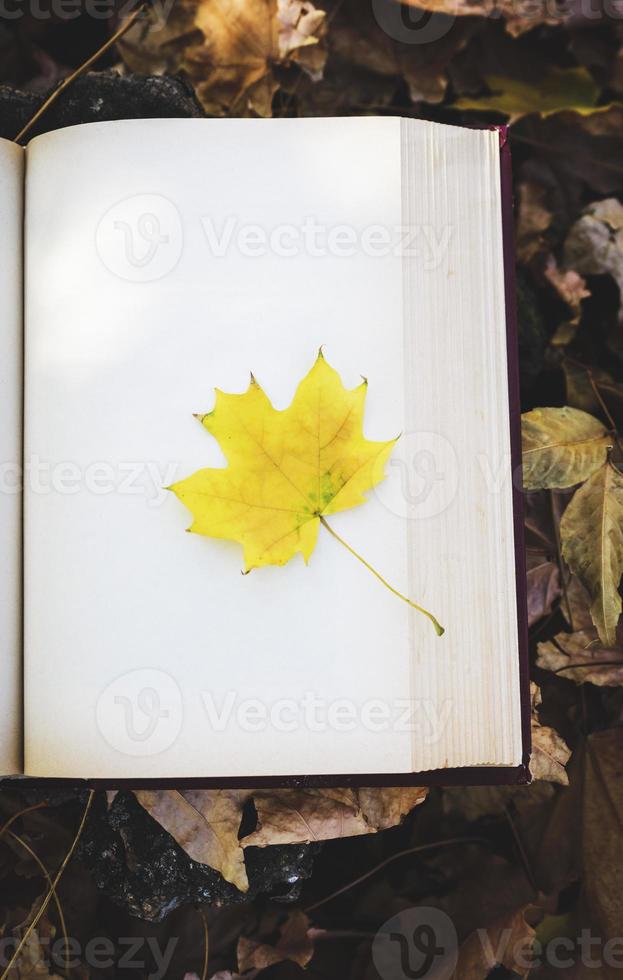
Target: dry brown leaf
point(230, 48)
point(583, 839)
point(568, 283)
point(31, 964)
point(519, 15)
point(580, 392)
point(561, 447)
point(294, 944)
point(550, 754)
point(539, 523)
point(293, 816)
point(577, 652)
point(594, 245)
point(369, 38)
point(576, 605)
point(589, 388)
point(602, 838)
point(591, 534)
point(507, 943)
point(533, 219)
point(543, 580)
point(385, 807)
point(474, 802)
point(205, 824)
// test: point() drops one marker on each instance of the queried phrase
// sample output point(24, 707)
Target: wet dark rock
point(96, 97)
point(142, 869)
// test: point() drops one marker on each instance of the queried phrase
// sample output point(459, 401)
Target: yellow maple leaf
point(287, 470)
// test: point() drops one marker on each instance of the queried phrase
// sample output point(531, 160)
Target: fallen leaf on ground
point(293, 816)
point(550, 754)
point(539, 523)
point(31, 964)
point(475, 802)
point(533, 219)
point(508, 942)
point(205, 824)
point(591, 534)
point(294, 943)
point(561, 447)
point(229, 49)
point(359, 40)
point(571, 289)
point(577, 653)
point(543, 579)
point(602, 837)
point(584, 384)
point(386, 807)
point(594, 245)
point(558, 90)
point(575, 606)
point(582, 844)
point(519, 15)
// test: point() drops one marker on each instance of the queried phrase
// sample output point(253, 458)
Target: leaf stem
point(438, 628)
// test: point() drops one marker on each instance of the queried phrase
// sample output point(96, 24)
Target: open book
point(164, 259)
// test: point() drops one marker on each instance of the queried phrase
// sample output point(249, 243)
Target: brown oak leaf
point(550, 754)
point(582, 658)
point(205, 824)
point(293, 816)
point(229, 49)
point(294, 943)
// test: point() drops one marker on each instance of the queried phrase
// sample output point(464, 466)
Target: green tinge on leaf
point(561, 447)
point(558, 90)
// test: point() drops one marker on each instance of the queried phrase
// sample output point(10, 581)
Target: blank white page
point(11, 207)
point(149, 286)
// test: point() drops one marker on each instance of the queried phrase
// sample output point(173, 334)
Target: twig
point(204, 971)
point(595, 663)
point(543, 623)
point(451, 841)
point(599, 398)
point(80, 71)
point(522, 851)
point(52, 890)
point(604, 408)
point(59, 907)
point(20, 813)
